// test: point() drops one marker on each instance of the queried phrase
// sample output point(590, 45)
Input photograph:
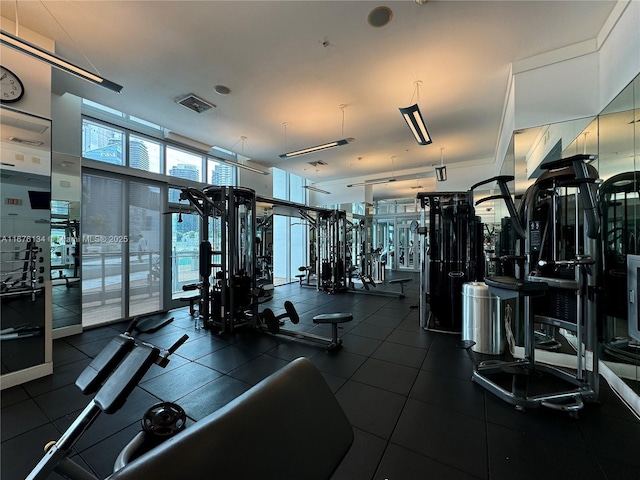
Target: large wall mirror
point(614, 137)
point(66, 249)
point(25, 183)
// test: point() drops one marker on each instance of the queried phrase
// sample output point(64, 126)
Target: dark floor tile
point(609, 404)
point(622, 437)
point(21, 417)
point(335, 383)
point(258, 369)
point(399, 462)
point(420, 339)
point(382, 320)
point(514, 454)
point(448, 365)
point(61, 401)
point(210, 397)
point(227, 359)
point(448, 344)
point(175, 361)
point(103, 454)
point(615, 469)
point(297, 348)
point(369, 408)
point(360, 345)
point(444, 435)
point(64, 353)
point(22, 453)
point(541, 424)
point(400, 354)
point(199, 347)
point(410, 323)
point(371, 331)
point(180, 381)
point(91, 349)
point(388, 376)
point(10, 396)
point(62, 376)
point(460, 395)
point(341, 364)
point(256, 342)
point(362, 458)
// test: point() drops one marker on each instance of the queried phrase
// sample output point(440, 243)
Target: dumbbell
point(273, 321)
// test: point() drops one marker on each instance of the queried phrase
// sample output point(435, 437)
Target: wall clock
point(11, 88)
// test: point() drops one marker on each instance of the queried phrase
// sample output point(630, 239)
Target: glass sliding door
point(121, 248)
point(144, 248)
point(104, 241)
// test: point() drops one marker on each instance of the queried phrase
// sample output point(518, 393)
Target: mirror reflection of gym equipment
point(25, 255)
point(619, 203)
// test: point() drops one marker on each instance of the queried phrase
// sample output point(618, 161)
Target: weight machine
point(454, 246)
point(331, 228)
point(228, 293)
point(559, 213)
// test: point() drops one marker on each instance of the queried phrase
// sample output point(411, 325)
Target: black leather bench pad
point(289, 426)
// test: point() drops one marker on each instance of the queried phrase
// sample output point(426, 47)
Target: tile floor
point(407, 392)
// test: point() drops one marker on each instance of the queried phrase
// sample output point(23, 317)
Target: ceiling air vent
point(195, 103)
point(32, 143)
point(319, 162)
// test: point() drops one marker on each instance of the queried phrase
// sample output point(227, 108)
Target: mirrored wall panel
point(25, 186)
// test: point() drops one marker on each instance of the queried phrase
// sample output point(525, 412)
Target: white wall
point(34, 74)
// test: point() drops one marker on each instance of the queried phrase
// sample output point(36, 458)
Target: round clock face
point(11, 88)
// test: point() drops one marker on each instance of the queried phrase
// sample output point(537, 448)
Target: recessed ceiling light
point(379, 16)
point(222, 90)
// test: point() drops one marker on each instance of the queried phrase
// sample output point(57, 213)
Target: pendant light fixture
point(313, 188)
point(441, 171)
point(413, 117)
point(52, 59)
point(243, 139)
point(317, 148)
point(377, 181)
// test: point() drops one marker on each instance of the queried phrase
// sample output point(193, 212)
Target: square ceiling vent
point(318, 162)
point(195, 103)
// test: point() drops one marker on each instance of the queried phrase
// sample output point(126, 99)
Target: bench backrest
point(289, 426)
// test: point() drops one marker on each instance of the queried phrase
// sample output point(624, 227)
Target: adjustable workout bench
point(113, 374)
point(270, 322)
point(257, 437)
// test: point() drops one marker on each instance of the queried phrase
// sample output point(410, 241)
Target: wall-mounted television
point(40, 200)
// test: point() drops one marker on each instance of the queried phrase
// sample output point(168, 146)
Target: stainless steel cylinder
point(482, 321)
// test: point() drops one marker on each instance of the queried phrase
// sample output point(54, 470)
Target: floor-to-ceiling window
point(290, 235)
point(138, 249)
point(104, 241)
point(144, 231)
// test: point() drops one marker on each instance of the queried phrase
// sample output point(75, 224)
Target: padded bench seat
point(401, 281)
point(511, 287)
point(290, 425)
point(191, 299)
point(334, 319)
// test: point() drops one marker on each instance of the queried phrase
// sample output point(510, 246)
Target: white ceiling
point(298, 61)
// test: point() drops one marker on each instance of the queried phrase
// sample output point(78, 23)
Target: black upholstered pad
point(289, 426)
point(511, 283)
point(400, 280)
point(333, 318)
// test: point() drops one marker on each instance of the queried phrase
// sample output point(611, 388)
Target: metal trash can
point(482, 321)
